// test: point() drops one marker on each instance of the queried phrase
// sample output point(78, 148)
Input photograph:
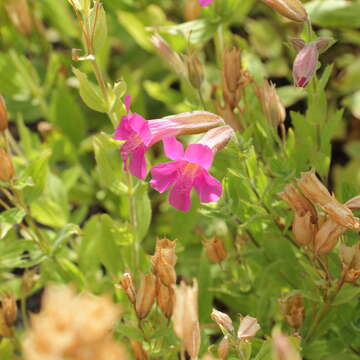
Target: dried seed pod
point(215, 250)
point(291, 9)
point(7, 171)
point(304, 229)
point(195, 70)
point(327, 236)
point(145, 296)
point(223, 320)
point(165, 297)
point(293, 309)
point(248, 328)
point(127, 284)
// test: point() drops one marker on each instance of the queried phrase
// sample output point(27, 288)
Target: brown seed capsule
point(185, 317)
point(140, 353)
point(19, 14)
point(248, 328)
point(127, 284)
point(223, 348)
point(215, 250)
point(293, 310)
point(165, 297)
point(7, 171)
point(304, 229)
point(291, 9)
point(232, 69)
point(327, 236)
point(9, 309)
point(223, 320)
point(350, 256)
point(4, 122)
point(145, 295)
point(270, 102)
point(28, 280)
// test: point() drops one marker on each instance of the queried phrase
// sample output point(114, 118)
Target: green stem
point(133, 220)
point(23, 311)
point(202, 99)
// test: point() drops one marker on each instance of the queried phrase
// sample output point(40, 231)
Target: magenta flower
point(189, 169)
point(205, 2)
point(141, 134)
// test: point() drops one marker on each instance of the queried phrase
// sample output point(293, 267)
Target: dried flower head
point(223, 320)
point(73, 326)
point(293, 310)
point(126, 282)
point(283, 349)
point(165, 297)
point(185, 317)
point(7, 170)
point(215, 250)
point(327, 236)
point(145, 296)
point(9, 308)
point(350, 256)
point(248, 328)
point(270, 102)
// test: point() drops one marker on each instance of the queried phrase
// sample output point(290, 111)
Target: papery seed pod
point(283, 348)
point(127, 284)
point(232, 69)
point(4, 122)
point(248, 328)
point(140, 353)
point(215, 250)
point(5, 330)
point(223, 348)
point(293, 309)
point(9, 309)
point(19, 14)
point(165, 248)
point(350, 257)
point(327, 236)
point(216, 139)
point(270, 102)
point(165, 297)
point(223, 320)
point(195, 70)
point(145, 296)
point(304, 229)
point(7, 171)
point(167, 54)
point(291, 9)
point(185, 317)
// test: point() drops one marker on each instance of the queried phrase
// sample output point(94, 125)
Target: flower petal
point(199, 154)
point(127, 101)
point(205, 2)
point(173, 149)
point(140, 126)
point(164, 175)
point(123, 130)
point(138, 163)
point(208, 188)
point(179, 196)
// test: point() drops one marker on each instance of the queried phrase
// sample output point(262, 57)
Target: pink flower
point(205, 2)
point(189, 169)
point(141, 134)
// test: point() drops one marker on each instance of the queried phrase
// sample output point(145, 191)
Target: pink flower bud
point(304, 66)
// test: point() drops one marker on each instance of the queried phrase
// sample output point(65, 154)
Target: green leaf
point(98, 24)
point(347, 294)
point(109, 164)
point(90, 93)
point(143, 210)
point(63, 235)
point(71, 273)
point(129, 331)
point(334, 13)
point(9, 218)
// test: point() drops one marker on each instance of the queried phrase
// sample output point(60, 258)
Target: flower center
point(190, 169)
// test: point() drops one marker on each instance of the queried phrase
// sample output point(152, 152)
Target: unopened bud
point(171, 57)
point(291, 9)
point(293, 310)
point(9, 309)
point(304, 229)
point(216, 139)
point(315, 191)
point(165, 297)
point(195, 70)
point(127, 284)
point(139, 352)
point(7, 171)
point(3, 115)
point(305, 63)
point(145, 295)
point(248, 328)
point(185, 317)
point(270, 102)
point(283, 349)
point(223, 320)
point(327, 236)
point(215, 250)
point(19, 14)
point(223, 348)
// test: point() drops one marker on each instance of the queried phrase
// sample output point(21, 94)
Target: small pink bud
point(304, 66)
